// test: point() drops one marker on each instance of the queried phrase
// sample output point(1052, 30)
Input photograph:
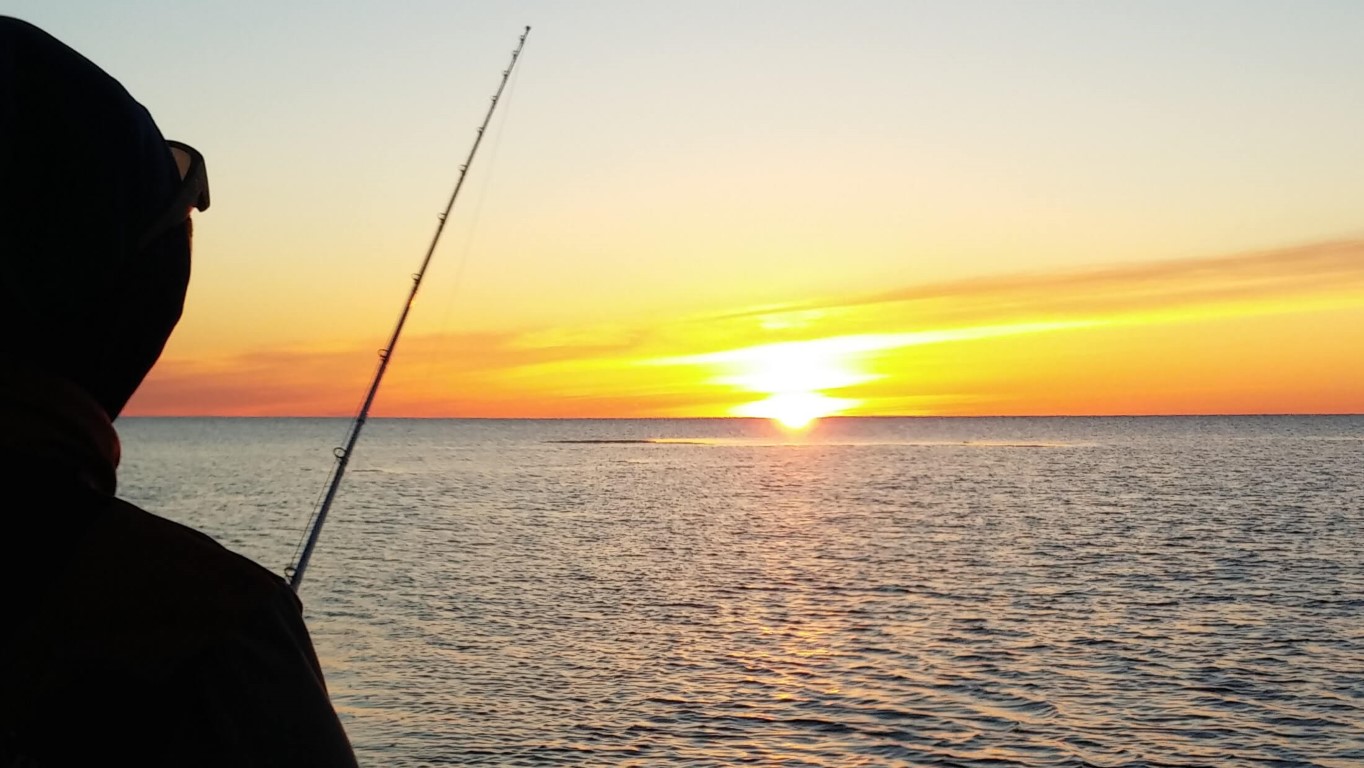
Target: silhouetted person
point(125, 639)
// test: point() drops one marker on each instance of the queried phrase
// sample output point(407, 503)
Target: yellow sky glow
point(1274, 331)
point(943, 207)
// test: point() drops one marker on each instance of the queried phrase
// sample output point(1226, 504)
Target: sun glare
point(795, 410)
point(794, 376)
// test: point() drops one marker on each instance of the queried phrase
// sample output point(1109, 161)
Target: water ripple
point(1107, 592)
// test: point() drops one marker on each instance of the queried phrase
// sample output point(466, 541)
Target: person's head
point(94, 220)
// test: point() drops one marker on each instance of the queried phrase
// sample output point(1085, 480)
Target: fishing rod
point(294, 572)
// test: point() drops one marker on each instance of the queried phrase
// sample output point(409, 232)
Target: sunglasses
point(193, 192)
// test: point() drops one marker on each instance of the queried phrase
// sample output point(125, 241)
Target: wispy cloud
point(1326, 273)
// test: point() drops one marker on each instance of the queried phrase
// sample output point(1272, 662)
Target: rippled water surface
point(974, 592)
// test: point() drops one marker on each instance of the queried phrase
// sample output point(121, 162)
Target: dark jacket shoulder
point(159, 639)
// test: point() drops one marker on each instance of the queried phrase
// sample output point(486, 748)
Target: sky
point(786, 209)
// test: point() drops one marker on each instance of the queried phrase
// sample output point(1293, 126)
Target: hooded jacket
point(124, 638)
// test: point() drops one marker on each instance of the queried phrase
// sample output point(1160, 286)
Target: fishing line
point(443, 343)
point(478, 203)
point(295, 570)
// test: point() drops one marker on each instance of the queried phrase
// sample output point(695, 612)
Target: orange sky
point(1264, 332)
point(776, 207)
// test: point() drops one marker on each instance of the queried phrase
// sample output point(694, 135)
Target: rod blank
point(294, 572)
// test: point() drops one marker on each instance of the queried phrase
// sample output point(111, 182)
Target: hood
point(83, 173)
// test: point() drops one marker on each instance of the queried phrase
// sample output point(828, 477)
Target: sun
point(794, 410)
point(791, 377)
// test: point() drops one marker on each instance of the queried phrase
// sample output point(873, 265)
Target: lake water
point(964, 592)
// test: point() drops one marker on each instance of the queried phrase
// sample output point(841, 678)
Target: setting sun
point(793, 375)
point(795, 410)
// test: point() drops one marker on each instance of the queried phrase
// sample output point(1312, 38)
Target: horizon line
point(763, 418)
